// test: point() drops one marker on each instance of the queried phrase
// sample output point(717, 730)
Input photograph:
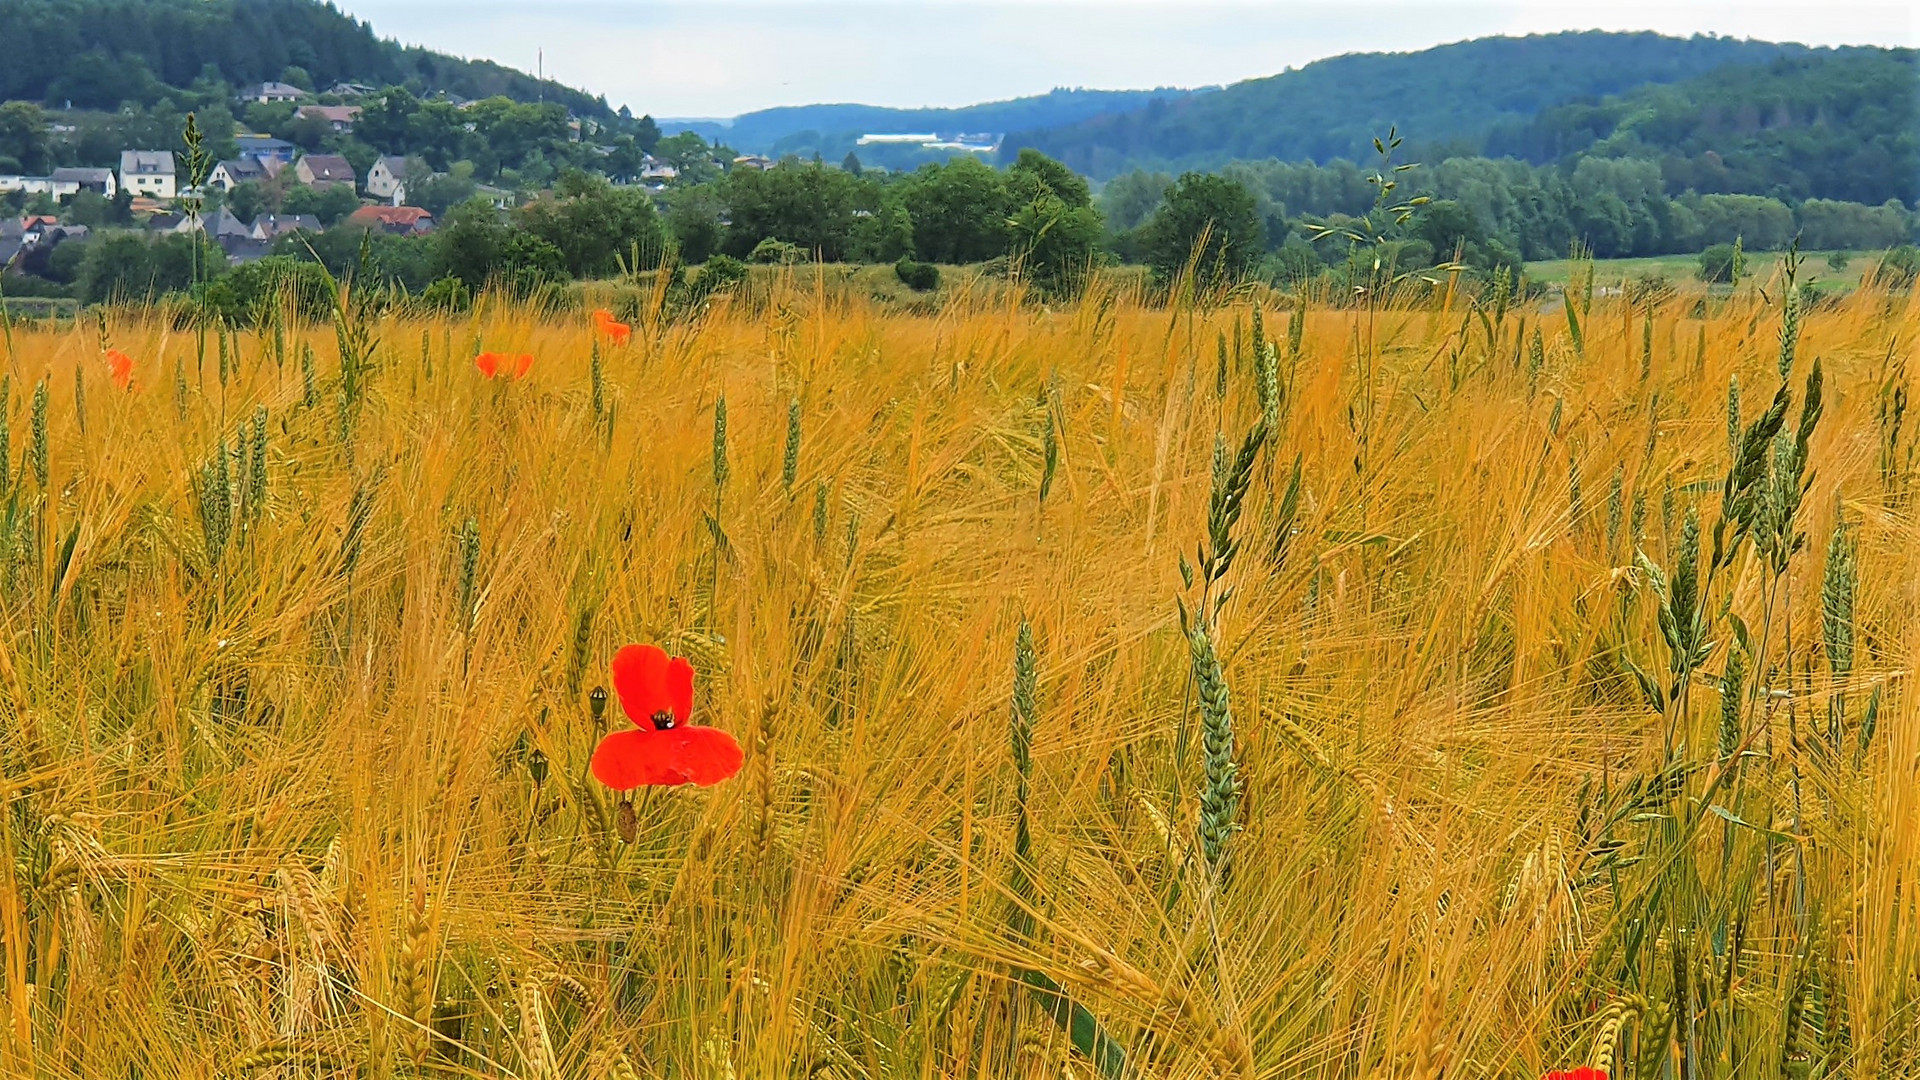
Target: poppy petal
point(697, 755)
point(680, 688)
point(640, 679)
point(523, 365)
point(627, 759)
point(488, 363)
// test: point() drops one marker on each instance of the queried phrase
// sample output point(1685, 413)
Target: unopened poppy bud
point(626, 822)
point(597, 702)
point(537, 766)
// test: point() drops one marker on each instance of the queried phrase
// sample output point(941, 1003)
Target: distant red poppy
point(656, 693)
point(1584, 1072)
point(120, 365)
point(491, 364)
point(604, 322)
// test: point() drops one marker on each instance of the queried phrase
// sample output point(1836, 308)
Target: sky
point(719, 58)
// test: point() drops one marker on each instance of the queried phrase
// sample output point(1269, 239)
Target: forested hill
point(832, 129)
point(1448, 97)
point(1840, 124)
point(100, 53)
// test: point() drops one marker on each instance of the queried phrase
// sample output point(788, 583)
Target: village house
point(388, 179)
point(324, 170)
point(12, 239)
point(349, 89)
point(266, 150)
point(272, 226)
point(63, 184)
point(231, 174)
point(398, 220)
point(71, 181)
point(272, 93)
point(339, 117)
point(148, 172)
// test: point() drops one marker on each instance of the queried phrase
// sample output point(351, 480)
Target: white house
point(388, 179)
point(231, 174)
point(71, 181)
point(63, 184)
point(148, 172)
point(274, 92)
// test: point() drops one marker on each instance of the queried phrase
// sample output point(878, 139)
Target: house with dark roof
point(232, 173)
point(272, 226)
point(270, 93)
point(12, 239)
point(388, 179)
point(325, 170)
point(73, 180)
point(266, 150)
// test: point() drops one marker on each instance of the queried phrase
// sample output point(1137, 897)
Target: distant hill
point(832, 130)
point(100, 53)
point(1451, 96)
point(1830, 124)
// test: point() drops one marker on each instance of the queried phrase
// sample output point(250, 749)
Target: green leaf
point(1082, 1027)
point(1722, 812)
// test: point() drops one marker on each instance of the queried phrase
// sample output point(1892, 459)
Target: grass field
point(1685, 269)
point(1367, 750)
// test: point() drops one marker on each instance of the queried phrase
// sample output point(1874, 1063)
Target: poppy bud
point(597, 702)
point(626, 822)
point(537, 766)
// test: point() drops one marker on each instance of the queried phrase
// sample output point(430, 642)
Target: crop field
point(1441, 687)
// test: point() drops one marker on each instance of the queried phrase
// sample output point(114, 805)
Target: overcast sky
point(714, 58)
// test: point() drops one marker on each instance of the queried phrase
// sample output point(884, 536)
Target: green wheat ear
point(1082, 1027)
point(790, 460)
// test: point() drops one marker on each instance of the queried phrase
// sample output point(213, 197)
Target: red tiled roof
point(407, 216)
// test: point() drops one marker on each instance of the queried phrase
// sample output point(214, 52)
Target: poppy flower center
point(662, 720)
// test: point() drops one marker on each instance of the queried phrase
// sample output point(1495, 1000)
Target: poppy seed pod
point(597, 702)
point(625, 821)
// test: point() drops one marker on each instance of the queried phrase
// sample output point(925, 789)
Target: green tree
point(23, 137)
point(693, 218)
point(1054, 228)
point(809, 206)
point(592, 225)
point(959, 211)
point(1129, 200)
point(1208, 220)
point(469, 243)
point(330, 204)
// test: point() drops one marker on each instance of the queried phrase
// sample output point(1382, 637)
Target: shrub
point(447, 294)
point(771, 251)
point(1716, 264)
point(1898, 267)
point(918, 276)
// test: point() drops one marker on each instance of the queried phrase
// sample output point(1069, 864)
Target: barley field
point(1441, 687)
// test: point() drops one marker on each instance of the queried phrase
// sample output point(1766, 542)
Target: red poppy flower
point(604, 322)
point(656, 693)
point(1584, 1072)
point(491, 364)
point(120, 365)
